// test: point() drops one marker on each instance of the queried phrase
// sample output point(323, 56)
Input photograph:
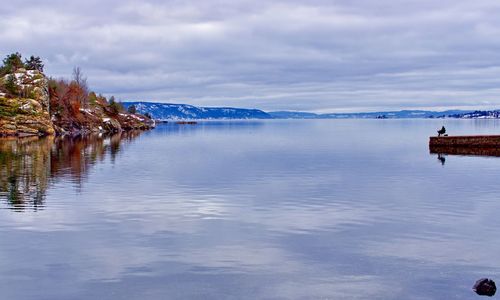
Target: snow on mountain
point(403, 114)
point(169, 111)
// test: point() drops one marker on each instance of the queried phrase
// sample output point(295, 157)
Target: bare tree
point(81, 81)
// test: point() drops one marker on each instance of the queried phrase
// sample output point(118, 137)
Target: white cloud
point(317, 56)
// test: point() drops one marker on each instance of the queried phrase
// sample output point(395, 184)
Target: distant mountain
point(293, 115)
point(478, 114)
point(403, 114)
point(169, 111)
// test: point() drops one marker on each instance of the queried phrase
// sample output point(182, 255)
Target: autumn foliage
point(70, 99)
point(69, 106)
point(64, 97)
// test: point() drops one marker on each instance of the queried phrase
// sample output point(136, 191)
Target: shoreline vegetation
point(32, 104)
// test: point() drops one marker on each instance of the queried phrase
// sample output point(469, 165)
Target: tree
point(78, 76)
point(64, 97)
point(11, 85)
point(92, 98)
point(11, 63)
point(81, 81)
point(132, 109)
point(115, 107)
point(34, 63)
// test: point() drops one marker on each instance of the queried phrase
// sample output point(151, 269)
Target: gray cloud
point(320, 56)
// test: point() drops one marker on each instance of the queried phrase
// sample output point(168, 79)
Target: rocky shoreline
point(33, 105)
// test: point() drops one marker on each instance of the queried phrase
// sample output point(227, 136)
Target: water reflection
point(29, 166)
point(25, 171)
point(466, 151)
point(441, 158)
point(327, 209)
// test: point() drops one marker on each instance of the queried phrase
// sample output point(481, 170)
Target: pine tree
point(11, 63)
point(132, 109)
point(115, 107)
point(34, 63)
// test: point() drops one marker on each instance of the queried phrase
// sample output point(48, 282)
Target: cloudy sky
point(315, 55)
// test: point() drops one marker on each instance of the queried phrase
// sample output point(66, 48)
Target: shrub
point(11, 85)
point(92, 98)
point(102, 100)
point(132, 109)
point(28, 92)
point(65, 97)
point(37, 76)
point(115, 107)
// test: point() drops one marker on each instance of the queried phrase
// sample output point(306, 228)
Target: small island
point(32, 104)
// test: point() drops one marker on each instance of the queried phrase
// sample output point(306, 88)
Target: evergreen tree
point(115, 107)
point(11, 85)
point(11, 63)
point(34, 63)
point(132, 109)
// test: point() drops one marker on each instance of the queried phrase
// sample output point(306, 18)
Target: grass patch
point(37, 76)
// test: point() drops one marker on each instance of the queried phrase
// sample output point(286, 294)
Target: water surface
point(329, 209)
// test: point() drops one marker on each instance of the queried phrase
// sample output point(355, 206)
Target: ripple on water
point(317, 209)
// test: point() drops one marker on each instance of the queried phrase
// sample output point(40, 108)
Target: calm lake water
point(329, 209)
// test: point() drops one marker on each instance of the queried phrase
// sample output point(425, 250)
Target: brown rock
point(485, 287)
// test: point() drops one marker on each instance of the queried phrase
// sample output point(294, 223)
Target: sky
point(316, 55)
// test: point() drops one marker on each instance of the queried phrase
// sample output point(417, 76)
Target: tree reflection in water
point(28, 166)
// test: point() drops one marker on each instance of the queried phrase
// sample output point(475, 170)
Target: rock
point(29, 114)
point(485, 287)
point(113, 125)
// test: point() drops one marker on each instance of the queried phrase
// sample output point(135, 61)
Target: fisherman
point(441, 131)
